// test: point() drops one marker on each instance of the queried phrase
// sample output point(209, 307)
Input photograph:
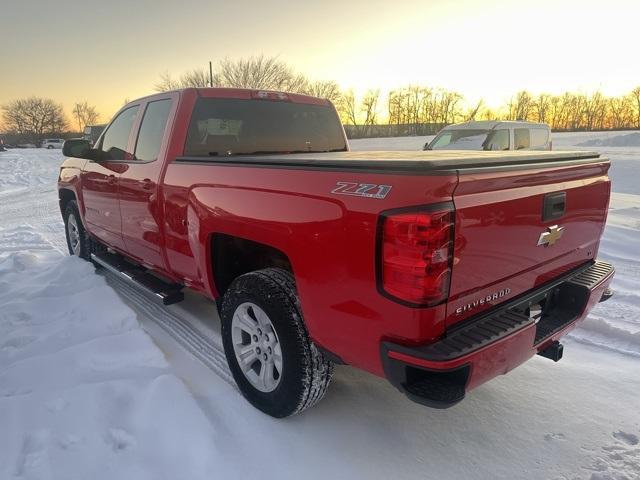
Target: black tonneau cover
point(411, 161)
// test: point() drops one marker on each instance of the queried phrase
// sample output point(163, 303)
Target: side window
point(521, 138)
point(116, 139)
point(498, 140)
point(539, 137)
point(152, 130)
point(442, 140)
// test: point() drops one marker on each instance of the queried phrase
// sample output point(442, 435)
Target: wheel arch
point(231, 256)
point(65, 195)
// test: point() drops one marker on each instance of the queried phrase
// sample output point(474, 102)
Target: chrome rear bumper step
point(165, 292)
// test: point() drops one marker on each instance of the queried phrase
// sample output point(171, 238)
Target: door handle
point(147, 184)
point(111, 179)
point(554, 206)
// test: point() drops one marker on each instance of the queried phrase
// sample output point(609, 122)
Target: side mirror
point(426, 146)
point(77, 147)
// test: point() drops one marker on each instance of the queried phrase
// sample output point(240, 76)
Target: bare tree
point(594, 110)
point(369, 106)
point(84, 114)
point(521, 106)
point(620, 111)
point(542, 105)
point(34, 117)
point(448, 108)
point(347, 109)
point(489, 114)
point(325, 89)
point(418, 107)
point(259, 72)
point(198, 78)
point(394, 107)
point(635, 99)
point(166, 83)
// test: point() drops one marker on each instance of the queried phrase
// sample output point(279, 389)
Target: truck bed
point(402, 161)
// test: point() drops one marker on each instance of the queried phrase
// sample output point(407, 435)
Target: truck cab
point(492, 136)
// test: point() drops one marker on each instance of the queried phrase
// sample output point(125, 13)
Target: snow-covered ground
point(97, 381)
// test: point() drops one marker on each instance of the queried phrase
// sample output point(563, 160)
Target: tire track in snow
point(185, 334)
point(36, 211)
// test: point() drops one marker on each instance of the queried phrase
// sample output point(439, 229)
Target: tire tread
point(279, 287)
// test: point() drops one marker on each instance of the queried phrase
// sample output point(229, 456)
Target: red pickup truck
point(436, 270)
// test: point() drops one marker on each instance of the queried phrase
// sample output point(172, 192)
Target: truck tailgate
point(520, 226)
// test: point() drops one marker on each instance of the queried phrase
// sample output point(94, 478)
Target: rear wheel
point(273, 361)
point(78, 241)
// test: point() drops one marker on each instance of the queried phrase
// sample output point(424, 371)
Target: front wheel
point(77, 239)
point(273, 361)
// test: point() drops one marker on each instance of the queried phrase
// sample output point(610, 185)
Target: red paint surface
point(504, 355)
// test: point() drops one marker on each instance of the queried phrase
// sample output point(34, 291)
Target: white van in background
point(492, 135)
point(52, 143)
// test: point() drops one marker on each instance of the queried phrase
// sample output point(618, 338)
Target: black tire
point(306, 371)
point(85, 242)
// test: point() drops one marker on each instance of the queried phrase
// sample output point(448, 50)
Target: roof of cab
point(492, 124)
point(240, 94)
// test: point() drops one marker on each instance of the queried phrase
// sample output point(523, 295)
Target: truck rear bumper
point(439, 374)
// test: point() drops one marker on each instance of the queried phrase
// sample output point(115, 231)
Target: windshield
point(239, 127)
point(471, 139)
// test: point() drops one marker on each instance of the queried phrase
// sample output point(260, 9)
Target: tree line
point(409, 110)
point(414, 106)
point(30, 120)
point(577, 111)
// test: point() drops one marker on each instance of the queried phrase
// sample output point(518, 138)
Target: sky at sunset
point(106, 51)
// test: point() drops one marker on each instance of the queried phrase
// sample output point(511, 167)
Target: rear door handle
point(111, 179)
point(147, 184)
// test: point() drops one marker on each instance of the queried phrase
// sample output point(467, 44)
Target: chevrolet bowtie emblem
point(551, 236)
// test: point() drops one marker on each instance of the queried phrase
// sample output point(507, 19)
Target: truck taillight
point(415, 256)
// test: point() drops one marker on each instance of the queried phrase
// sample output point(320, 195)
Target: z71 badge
point(367, 190)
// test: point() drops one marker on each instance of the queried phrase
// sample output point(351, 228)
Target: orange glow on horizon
point(483, 49)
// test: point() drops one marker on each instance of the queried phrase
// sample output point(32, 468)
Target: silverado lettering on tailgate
point(481, 301)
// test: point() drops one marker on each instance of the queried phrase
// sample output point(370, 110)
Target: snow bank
point(17, 168)
point(629, 140)
point(615, 325)
point(84, 392)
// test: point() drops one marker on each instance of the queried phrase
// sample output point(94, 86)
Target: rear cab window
point(221, 126)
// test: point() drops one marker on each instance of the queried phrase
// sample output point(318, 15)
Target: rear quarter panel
point(329, 239)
